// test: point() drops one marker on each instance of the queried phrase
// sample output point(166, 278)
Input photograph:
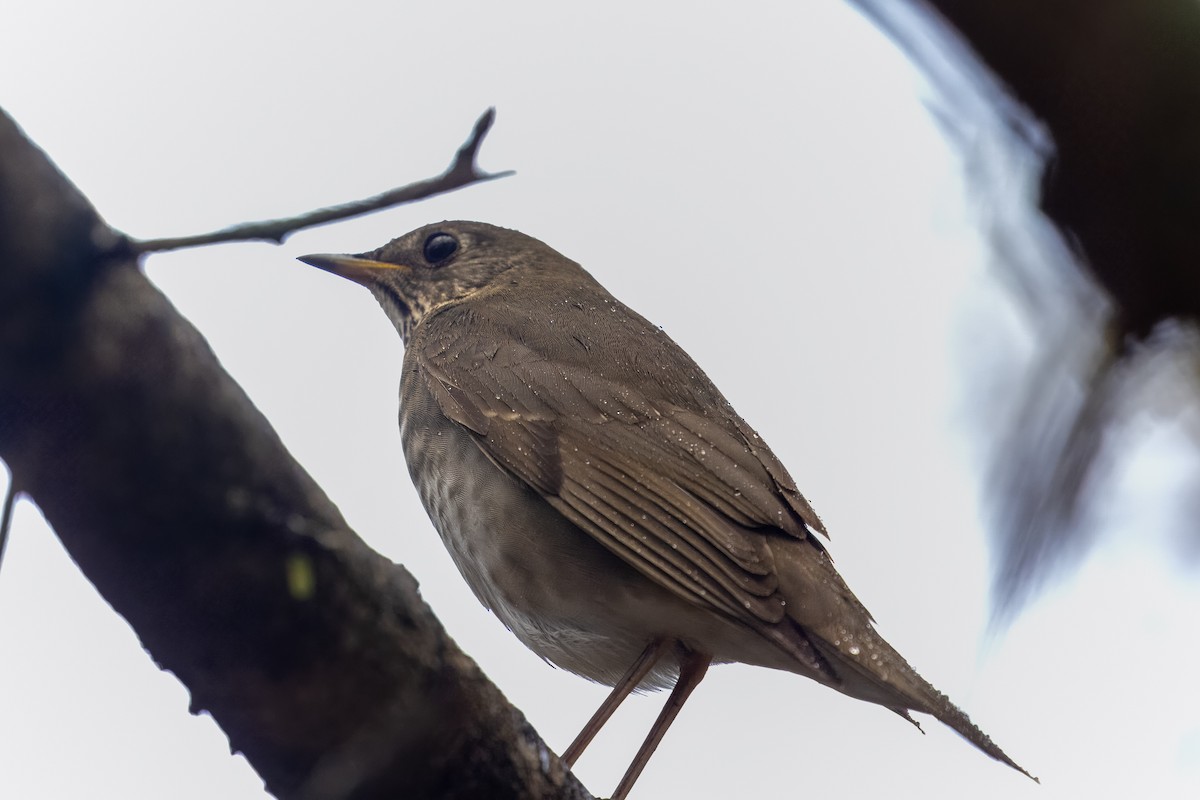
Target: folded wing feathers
point(679, 495)
point(652, 511)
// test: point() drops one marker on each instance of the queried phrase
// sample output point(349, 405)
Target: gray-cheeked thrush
point(599, 494)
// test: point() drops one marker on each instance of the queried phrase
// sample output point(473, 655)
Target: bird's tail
point(872, 670)
point(863, 664)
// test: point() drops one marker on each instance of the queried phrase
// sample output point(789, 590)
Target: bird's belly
point(563, 594)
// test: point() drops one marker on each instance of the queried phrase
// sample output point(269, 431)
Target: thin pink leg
point(691, 672)
point(645, 662)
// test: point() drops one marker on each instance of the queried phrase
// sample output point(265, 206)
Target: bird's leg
point(691, 672)
point(629, 681)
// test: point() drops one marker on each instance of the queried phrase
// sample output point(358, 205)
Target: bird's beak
point(355, 268)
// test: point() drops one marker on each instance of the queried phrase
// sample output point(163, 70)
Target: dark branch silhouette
point(6, 516)
point(1107, 97)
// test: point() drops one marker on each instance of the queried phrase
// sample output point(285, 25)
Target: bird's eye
point(439, 247)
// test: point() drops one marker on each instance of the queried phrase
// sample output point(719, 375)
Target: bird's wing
point(684, 497)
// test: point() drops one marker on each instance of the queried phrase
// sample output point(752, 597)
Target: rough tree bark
point(175, 497)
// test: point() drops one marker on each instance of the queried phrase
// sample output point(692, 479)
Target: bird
point(600, 495)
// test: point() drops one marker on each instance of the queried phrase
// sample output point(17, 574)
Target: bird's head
point(433, 265)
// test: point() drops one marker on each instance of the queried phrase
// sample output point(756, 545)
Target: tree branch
point(172, 493)
point(1115, 89)
point(6, 516)
point(463, 171)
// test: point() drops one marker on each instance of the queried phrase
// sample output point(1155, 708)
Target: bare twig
point(463, 171)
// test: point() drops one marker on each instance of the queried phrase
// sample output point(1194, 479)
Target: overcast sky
point(767, 183)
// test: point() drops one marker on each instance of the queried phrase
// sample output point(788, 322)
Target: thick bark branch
point(178, 501)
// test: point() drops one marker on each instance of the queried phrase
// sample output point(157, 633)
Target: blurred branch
point(175, 497)
point(463, 171)
point(1108, 95)
point(6, 516)
point(1118, 86)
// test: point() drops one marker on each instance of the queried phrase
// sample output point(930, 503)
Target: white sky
point(764, 183)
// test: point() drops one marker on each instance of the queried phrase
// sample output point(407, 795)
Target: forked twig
point(463, 171)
